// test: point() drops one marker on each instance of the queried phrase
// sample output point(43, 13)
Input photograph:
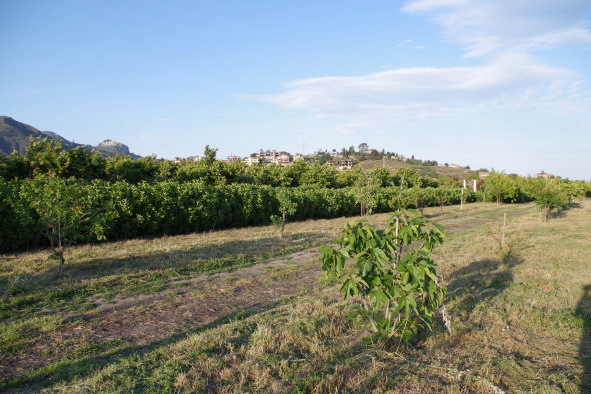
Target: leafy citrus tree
point(503, 187)
point(43, 155)
point(287, 208)
point(550, 199)
point(573, 190)
point(392, 273)
point(62, 213)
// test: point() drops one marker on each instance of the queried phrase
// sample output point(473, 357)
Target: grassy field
point(244, 311)
point(430, 171)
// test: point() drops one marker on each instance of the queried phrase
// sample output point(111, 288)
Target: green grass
point(520, 316)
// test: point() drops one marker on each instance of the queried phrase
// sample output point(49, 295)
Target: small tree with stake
point(61, 211)
point(366, 187)
point(287, 208)
point(392, 273)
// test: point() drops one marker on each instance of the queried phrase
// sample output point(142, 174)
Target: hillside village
point(343, 159)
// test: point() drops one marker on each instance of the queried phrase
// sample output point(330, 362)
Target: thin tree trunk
point(371, 320)
point(61, 247)
point(283, 221)
point(503, 236)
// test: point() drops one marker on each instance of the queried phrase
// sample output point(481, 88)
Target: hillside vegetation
point(65, 196)
point(241, 310)
point(436, 171)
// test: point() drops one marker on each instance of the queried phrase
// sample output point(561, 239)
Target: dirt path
point(157, 318)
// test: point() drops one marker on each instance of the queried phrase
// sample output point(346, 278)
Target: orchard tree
point(572, 190)
point(503, 187)
point(63, 215)
point(287, 208)
point(550, 199)
point(42, 155)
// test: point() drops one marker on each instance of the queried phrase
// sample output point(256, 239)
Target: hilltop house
point(342, 164)
point(252, 160)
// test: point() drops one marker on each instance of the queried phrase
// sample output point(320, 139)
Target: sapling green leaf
point(398, 284)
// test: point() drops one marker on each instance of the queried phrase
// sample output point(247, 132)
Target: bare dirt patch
point(156, 318)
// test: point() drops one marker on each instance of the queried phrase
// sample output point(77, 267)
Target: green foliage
point(395, 280)
point(322, 175)
point(366, 186)
point(17, 219)
point(503, 187)
point(573, 190)
point(209, 156)
point(151, 197)
point(287, 208)
point(550, 199)
point(61, 210)
point(153, 209)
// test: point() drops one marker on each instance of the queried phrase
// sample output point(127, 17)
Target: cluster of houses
point(284, 159)
point(281, 159)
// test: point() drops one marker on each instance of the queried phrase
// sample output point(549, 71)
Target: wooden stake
point(503, 236)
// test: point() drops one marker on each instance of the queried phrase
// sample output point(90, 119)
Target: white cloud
point(486, 28)
point(407, 94)
point(502, 33)
point(430, 5)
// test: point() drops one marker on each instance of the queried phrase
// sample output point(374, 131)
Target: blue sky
point(494, 84)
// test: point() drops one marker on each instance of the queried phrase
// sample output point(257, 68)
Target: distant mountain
point(15, 135)
point(112, 148)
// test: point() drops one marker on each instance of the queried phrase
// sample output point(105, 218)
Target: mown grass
point(520, 316)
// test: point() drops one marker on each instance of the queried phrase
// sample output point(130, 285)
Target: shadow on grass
point(261, 248)
point(480, 281)
point(584, 311)
point(67, 371)
point(191, 261)
point(562, 212)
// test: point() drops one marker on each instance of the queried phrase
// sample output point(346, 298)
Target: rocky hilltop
point(116, 148)
point(14, 136)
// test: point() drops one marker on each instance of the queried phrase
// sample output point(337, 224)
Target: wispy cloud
point(487, 28)
point(503, 33)
point(407, 94)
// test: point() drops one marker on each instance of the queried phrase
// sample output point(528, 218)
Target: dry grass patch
point(520, 320)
